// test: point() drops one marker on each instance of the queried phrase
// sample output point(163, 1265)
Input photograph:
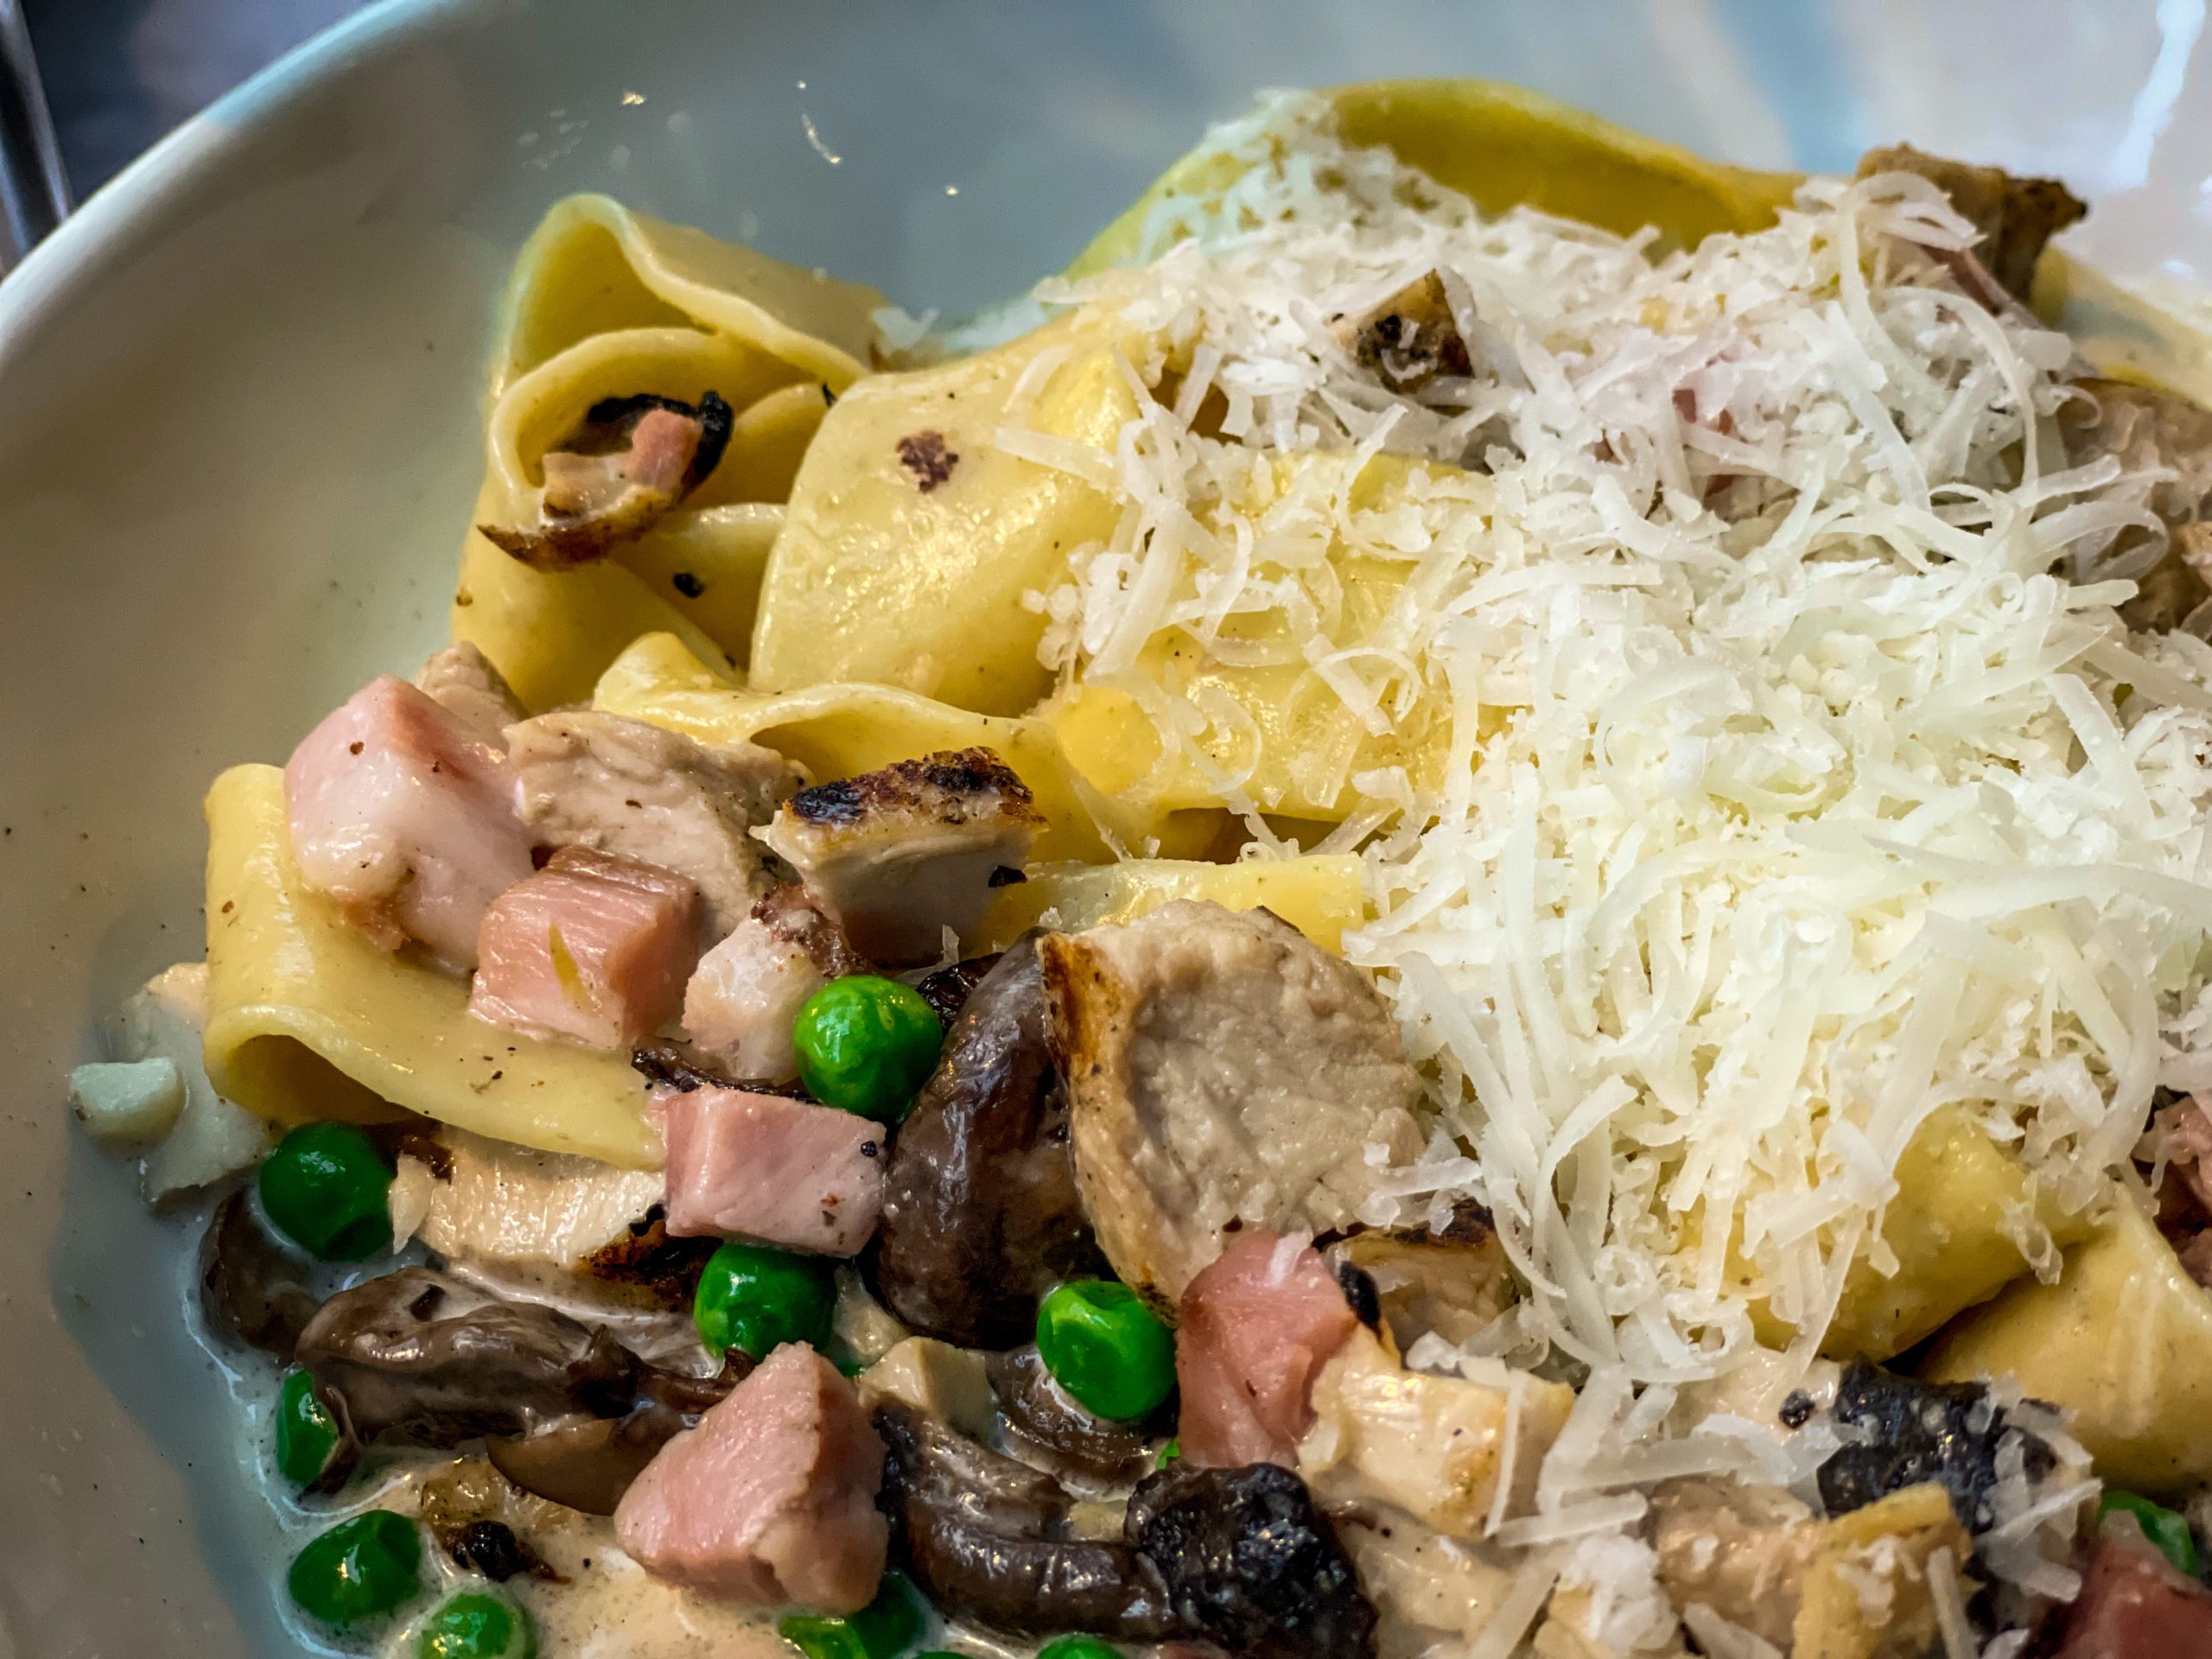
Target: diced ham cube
point(777, 1171)
point(593, 947)
point(1256, 1326)
point(740, 1005)
point(2134, 1604)
point(771, 1498)
point(403, 816)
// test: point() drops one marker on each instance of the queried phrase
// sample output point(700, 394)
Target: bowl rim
point(199, 147)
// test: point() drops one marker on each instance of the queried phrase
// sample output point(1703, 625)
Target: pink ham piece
point(2134, 1605)
point(779, 1171)
point(594, 947)
point(405, 818)
point(771, 1498)
point(1255, 1327)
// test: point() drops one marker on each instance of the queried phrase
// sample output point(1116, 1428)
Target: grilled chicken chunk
point(1434, 1446)
point(612, 479)
point(740, 1005)
point(2016, 216)
point(1741, 1550)
point(593, 947)
point(766, 1167)
point(404, 818)
point(771, 1498)
point(618, 786)
point(895, 857)
point(1221, 1068)
point(460, 680)
point(1410, 339)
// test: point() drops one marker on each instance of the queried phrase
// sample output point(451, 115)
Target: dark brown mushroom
point(588, 1464)
point(980, 1211)
point(948, 990)
point(1065, 1434)
point(674, 1065)
point(422, 1357)
point(985, 1538)
point(1410, 339)
point(626, 464)
point(2016, 216)
point(252, 1288)
point(1251, 1563)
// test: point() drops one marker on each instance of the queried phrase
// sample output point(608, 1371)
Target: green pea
point(754, 1299)
point(884, 1629)
point(867, 1044)
point(1169, 1453)
point(307, 1434)
point(326, 1188)
point(2168, 1532)
point(359, 1570)
point(1079, 1647)
point(1104, 1347)
point(473, 1625)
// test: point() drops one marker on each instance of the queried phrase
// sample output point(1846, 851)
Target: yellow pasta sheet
point(1319, 894)
point(913, 536)
point(1503, 146)
point(2123, 1340)
point(593, 267)
point(307, 1019)
point(840, 731)
point(1947, 1227)
point(1258, 711)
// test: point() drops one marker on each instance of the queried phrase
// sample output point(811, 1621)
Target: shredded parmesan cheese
point(1724, 684)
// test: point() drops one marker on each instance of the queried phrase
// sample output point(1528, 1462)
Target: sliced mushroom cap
point(484, 1523)
point(1949, 1433)
point(251, 1288)
point(628, 463)
point(980, 1211)
point(1410, 338)
point(986, 1539)
point(948, 990)
point(2016, 216)
point(588, 1464)
point(1452, 1280)
point(1251, 1563)
point(1068, 1435)
point(420, 1356)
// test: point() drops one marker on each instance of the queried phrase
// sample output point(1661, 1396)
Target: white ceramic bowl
point(237, 439)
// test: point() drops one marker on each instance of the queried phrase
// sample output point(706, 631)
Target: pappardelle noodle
point(1460, 906)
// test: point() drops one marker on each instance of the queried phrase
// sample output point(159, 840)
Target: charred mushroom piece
point(612, 480)
point(589, 1464)
point(251, 1288)
point(948, 990)
point(2016, 216)
point(1947, 1433)
point(986, 1539)
point(1048, 1416)
point(979, 1212)
point(1251, 1563)
point(481, 1520)
point(420, 1356)
point(1411, 338)
point(896, 856)
point(1453, 1280)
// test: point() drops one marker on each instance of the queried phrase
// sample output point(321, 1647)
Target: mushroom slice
point(2147, 429)
point(1952, 1433)
point(613, 477)
point(1452, 1280)
point(251, 1286)
point(1222, 1069)
point(1065, 1435)
point(1410, 339)
point(897, 856)
point(2016, 216)
point(420, 1357)
point(1251, 1563)
point(988, 1539)
point(980, 1211)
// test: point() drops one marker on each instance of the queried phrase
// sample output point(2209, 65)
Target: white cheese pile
point(1800, 779)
